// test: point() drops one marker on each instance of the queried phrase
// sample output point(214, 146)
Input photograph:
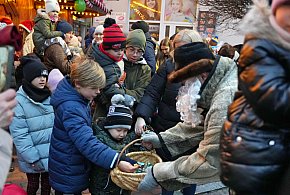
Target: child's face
point(133, 53)
point(283, 17)
point(118, 133)
point(88, 92)
point(39, 82)
point(117, 53)
point(53, 15)
point(164, 49)
point(175, 5)
point(98, 37)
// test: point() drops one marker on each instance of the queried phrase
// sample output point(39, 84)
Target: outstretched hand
point(127, 167)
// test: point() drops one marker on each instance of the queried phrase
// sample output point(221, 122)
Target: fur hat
point(51, 5)
point(140, 25)
point(187, 36)
point(136, 38)
point(64, 26)
point(5, 21)
point(27, 25)
point(278, 3)
point(120, 114)
point(32, 68)
point(113, 38)
point(191, 70)
point(99, 29)
point(53, 79)
point(191, 52)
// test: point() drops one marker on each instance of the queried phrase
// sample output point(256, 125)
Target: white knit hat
point(51, 5)
point(99, 29)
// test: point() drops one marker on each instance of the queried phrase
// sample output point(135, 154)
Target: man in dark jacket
point(149, 54)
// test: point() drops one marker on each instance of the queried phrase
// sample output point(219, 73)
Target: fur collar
point(257, 24)
point(42, 14)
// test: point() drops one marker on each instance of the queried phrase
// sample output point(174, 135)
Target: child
point(32, 125)
point(45, 25)
point(112, 131)
point(109, 54)
point(73, 145)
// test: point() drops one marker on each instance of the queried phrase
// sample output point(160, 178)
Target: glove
point(139, 125)
point(151, 137)
point(37, 166)
point(149, 183)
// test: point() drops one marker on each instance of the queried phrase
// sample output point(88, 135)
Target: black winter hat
point(191, 52)
point(120, 114)
point(32, 68)
point(140, 25)
point(64, 26)
point(109, 22)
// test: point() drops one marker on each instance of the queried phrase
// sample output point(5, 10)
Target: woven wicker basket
point(130, 181)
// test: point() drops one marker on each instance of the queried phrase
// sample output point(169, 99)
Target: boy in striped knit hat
point(109, 54)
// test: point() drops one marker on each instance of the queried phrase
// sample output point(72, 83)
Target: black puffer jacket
point(162, 95)
point(149, 54)
point(255, 140)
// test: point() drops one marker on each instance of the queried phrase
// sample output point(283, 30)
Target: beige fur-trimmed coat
point(201, 166)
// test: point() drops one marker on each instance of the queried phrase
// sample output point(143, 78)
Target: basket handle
point(127, 146)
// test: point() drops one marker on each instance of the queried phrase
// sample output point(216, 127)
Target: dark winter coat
point(43, 29)
point(149, 54)
point(161, 95)
point(73, 145)
point(100, 182)
point(256, 135)
point(113, 73)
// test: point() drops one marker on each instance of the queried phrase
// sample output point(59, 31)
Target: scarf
point(109, 55)
point(36, 94)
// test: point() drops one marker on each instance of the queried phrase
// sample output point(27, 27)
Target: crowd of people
point(216, 113)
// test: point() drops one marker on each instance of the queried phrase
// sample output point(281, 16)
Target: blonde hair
point(187, 36)
point(88, 73)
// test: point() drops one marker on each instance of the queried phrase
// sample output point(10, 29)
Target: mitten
point(151, 137)
point(148, 184)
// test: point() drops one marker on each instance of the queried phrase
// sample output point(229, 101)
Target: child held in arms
point(45, 32)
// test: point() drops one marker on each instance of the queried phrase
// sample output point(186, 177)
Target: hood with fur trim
point(41, 14)
point(256, 23)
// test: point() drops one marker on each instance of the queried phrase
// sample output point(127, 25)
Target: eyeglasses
point(132, 51)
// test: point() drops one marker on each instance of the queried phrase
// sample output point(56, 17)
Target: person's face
point(117, 53)
point(151, 3)
point(165, 50)
point(175, 6)
point(98, 37)
point(283, 17)
point(118, 133)
point(53, 15)
point(68, 37)
point(133, 53)
point(88, 92)
point(39, 82)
